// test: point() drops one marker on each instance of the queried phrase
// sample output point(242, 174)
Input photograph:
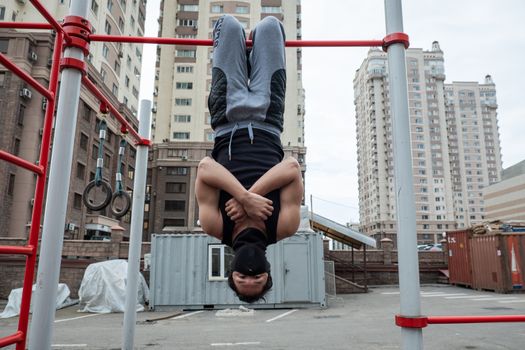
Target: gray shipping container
point(187, 271)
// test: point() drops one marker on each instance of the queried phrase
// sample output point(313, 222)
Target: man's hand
point(235, 210)
point(256, 206)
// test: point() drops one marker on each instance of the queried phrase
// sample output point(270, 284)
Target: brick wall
point(76, 256)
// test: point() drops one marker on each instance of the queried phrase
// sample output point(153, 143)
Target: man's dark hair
point(250, 298)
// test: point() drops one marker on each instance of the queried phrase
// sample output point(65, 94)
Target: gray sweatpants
point(248, 91)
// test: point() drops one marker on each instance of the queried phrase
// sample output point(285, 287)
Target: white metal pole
point(135, 236)
point(412, 338)
point(41, 329)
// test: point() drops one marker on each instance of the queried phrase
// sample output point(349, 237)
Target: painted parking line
point(75, 318)
point(495, 298)
point(390, 293)
point(443, 295)
point(237, 344)
point(513, 301)
point(68, 345)
point(470, 296)
point(281, 315)
point(186, 315)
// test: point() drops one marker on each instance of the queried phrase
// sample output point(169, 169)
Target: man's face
point(249, 285)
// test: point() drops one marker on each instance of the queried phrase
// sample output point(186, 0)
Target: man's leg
point(268, 69)
point(229, 86)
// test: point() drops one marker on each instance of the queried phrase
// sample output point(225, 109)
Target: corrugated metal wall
point(459, 265)
point(179, 273)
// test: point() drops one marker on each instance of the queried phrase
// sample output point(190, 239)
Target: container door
point(296, 278)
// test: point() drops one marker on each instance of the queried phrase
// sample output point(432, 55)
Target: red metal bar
point(21, 162)
point(475, 319)
point(95, 91)
point(209, 42)
point(24, 25)
point(25, 76)
point(12, 339)
point(22, 250)
point(52, 21)
point(34, 231)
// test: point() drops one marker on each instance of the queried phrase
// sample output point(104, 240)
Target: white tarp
point(15, 300)
point(103, 288)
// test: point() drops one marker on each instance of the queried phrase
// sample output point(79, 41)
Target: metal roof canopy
point(340, 232)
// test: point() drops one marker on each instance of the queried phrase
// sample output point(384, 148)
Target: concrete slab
point(360, 321)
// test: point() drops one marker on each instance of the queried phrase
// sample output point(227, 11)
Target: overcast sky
point(477, 37)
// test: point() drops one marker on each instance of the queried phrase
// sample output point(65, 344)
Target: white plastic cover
point(103, 288)
point(15, 300)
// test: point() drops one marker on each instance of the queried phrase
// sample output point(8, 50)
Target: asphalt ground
point(355, 321)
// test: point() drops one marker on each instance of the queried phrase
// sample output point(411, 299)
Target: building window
point(184, 69)
point(183, 102)
point(11, 184)
point(121, 23)
point(241, 9)
point(77, 201)
point(81, 171)
point(175, 187)
point(189, 8)
point(114, 89)
point(174, 222)
point(94, 152)
point(175, 170)
point(271, 9)
point(116, 66)
point(177, 153)
point(2, 79)
point(2, 13)
point(16, 146)
point(107, 28)
point(110, 5)
point(185, 53)
point(83, 143)
point(131, 172)
point(187, 22)
point(182, 118)
point(126, 81)
point(210, 136)
point(217, 8)
point(103, 74)
point(21, 114)
point(107, 160)
point(4, 44)
point(220, 257)
point(181, 135)
point(184, 86)
point(174, 205)
point(105, 51)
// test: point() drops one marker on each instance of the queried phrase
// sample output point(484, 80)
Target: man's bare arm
point(217, 176)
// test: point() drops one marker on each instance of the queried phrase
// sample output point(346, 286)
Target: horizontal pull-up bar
point(209, 42)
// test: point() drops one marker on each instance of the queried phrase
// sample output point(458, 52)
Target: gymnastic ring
point(104, 203)
point(127, 200)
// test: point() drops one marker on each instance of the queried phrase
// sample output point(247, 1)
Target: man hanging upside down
point(248, 196)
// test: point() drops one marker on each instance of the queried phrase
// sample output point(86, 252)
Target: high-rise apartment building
point(182, 132)
point(114, 68)
point(454, 139)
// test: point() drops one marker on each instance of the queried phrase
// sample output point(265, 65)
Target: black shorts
point(249, 161)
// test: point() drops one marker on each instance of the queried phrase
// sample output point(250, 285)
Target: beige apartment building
point(182, 132)
point(115, 70)
point(454, 141)
point(504, 199)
